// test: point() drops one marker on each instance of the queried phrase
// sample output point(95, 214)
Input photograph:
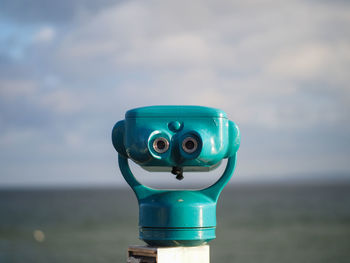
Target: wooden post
point(145, 254)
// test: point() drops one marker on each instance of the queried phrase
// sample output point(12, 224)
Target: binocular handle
point(143, 191)
point(215, 189)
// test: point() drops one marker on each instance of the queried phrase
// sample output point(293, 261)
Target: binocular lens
point(161, 145)
point(189, 145)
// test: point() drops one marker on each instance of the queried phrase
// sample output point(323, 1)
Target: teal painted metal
point(177, 139)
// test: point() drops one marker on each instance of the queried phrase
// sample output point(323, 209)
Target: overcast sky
point(70, 69)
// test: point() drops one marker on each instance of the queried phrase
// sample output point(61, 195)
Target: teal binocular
point(177, 139)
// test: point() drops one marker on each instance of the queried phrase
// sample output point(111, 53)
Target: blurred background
point(70, 69)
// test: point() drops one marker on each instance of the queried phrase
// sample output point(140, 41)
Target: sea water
point(255, 223)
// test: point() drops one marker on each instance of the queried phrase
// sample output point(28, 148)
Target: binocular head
point(176, 138)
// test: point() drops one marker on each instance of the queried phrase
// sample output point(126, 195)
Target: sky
point(70, 69)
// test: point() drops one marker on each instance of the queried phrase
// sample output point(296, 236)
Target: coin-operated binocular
point(176, 139)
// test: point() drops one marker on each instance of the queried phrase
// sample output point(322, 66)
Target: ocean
point(257, 223)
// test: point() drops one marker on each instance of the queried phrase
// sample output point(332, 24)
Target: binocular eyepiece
point(189, 145)
point(161, 145)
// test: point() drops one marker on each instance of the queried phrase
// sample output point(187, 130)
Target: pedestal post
point(146, 254)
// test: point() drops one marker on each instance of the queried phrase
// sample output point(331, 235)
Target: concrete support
point(145, 254)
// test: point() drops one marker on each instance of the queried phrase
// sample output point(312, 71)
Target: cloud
point(10, 88)
point(62, 101)
point(44, 35)
point(40, 11)
point(280, 70)
point(303, 62)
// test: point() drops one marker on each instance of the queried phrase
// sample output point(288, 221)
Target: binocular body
point(176, 139)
